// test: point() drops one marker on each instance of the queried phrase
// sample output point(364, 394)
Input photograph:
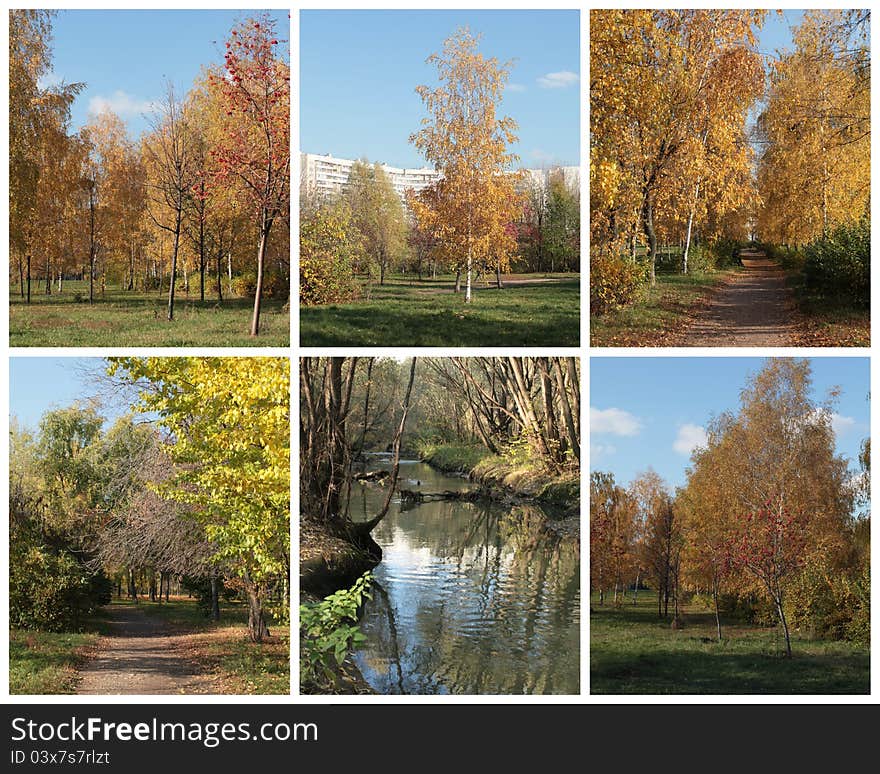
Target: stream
point(470, 598)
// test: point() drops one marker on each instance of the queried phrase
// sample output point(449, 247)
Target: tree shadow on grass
point(530, 316)
point(708, 669)
point(139, 301)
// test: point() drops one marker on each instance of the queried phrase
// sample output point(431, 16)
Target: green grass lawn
point(662, 313)
point(428, 315)
point(633, 651)
point(123, 319)
point(47, 662)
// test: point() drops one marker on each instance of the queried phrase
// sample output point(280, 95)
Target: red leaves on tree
point(254, 90)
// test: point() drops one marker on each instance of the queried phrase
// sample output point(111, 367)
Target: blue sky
point(774, 38)
point(125, 57)
point(359, 71)
point(39, 384)
point(776, 32)
point(650, 411)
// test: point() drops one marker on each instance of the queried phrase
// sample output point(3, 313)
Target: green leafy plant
point(328, 630)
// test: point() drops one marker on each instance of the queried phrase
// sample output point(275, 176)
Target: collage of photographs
point(420, 184)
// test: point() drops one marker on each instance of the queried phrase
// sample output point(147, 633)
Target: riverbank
point(505, 480)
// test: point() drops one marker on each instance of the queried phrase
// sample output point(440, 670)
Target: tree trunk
point(173, 282)
point(257, 628)
point(215, 598)
point(687, 242)
point(202, 254)
point(784, 622)
point(132, 586)
point(568, 418)
point(92, 247)
point(261, 258)
point(29, 278)
point(648, 220)
point(498, 282)
point(717, 614)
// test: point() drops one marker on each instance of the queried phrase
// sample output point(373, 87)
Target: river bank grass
point(633, 651)
point(507, 477)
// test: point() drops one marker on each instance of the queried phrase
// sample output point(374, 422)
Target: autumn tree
point(254, 147)
point(670, 91)
point(30, 34)
point(775, 494)
point(168, 158)
point(661, 539)
point(421, 236)
point(377, 214)
point(475, 201)
point(613, 536)
point(814, 171)
point(228, 421)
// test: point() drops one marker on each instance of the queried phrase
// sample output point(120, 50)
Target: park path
point(142, 655)
point(754, 309)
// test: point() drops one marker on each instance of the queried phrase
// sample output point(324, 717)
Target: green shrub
point(838, 265)
point(614, 282)
point(718, 254)
point(328, 630)
point(326, 257)
point(790, 258)
point(51, 589)
point(832, 605)
point(275, 285)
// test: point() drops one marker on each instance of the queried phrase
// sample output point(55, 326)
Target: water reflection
point(469, 597)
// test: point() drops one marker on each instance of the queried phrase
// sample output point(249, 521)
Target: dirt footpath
point(755, 309)
point(143, 655)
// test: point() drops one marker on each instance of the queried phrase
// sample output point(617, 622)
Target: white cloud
point(560, 80)
point(613, 421)
point(598, 451)
point(839, 423)
point(49, 80)
point(515, 87)
point(124, 105)
point(689, 438)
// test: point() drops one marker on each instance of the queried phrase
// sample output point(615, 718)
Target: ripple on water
point(460, 608)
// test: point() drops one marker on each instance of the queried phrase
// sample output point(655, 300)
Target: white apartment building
point(328, 175)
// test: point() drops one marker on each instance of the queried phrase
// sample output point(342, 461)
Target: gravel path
point(755, 309)
point(143, 655)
